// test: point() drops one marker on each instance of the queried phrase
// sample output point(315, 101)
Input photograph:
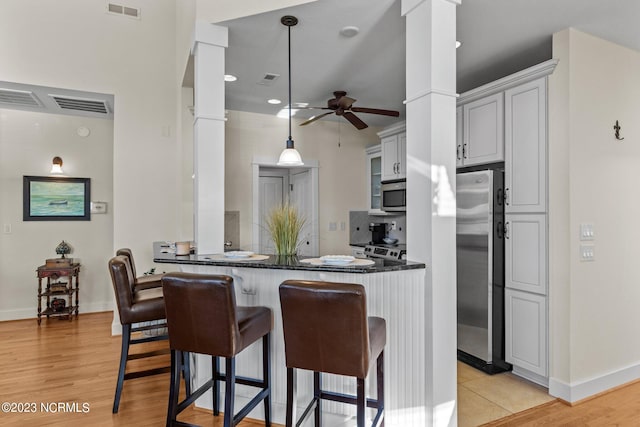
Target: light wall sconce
point(56, 165)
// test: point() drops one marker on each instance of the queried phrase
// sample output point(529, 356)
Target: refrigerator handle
point(506, 230)
point(500, 196)
point(500, 230)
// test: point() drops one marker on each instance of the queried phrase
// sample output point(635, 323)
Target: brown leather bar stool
point(202, 317)
point(134, 308)
point(148, 281)
point(326, 329)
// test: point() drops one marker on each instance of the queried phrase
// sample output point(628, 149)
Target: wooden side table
point(61, 282)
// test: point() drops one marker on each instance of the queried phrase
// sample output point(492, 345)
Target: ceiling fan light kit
point(289, 156)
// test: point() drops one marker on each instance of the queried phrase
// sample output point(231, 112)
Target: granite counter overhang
point(277, 263)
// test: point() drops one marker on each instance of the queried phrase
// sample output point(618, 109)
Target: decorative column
point(431, 180)
point(210, 42)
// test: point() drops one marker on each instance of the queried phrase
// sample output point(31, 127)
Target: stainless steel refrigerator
point(480, 269)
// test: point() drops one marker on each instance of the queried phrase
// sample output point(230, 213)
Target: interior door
point(272, 193)
point(300, 197)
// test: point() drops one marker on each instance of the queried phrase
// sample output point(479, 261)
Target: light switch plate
point(587, 253)
point(587, 232)
point(98, 207)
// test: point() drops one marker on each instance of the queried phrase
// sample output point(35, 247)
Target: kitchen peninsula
point(395, 291)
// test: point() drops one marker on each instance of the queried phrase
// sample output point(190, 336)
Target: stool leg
point(186, 371)
point(230, 391)
point(380, 383)
point(361, 402)
point(124, 353)
point(317, 385)
point(266, 377)
point(291, 397)
point(215, 369)
point(174, 387)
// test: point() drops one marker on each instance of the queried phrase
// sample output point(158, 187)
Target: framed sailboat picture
point(49, 198)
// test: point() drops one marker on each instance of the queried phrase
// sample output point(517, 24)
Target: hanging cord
point(289, 82)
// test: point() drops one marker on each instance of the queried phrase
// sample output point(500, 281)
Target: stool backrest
point(127, 252)
point(122, 280)
point(201, 313)
point(325, 327)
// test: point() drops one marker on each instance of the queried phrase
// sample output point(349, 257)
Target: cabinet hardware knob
point(506, 196)
point(464, 151)
point(506, 230)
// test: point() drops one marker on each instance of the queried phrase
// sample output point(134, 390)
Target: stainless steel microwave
point(394, 196)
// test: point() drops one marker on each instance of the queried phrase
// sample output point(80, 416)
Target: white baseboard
point(579, 390)
point(31, 313)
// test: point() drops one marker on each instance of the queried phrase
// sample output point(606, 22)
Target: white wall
point(28, 142)
point(594, 179)
point(342, 171)
point(75, 44)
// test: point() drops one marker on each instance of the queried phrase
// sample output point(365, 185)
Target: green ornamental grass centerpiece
point(284, 223)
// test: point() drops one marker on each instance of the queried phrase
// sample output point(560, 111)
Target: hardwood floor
point(76, 363)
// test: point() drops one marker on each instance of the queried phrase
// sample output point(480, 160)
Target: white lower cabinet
point(526, 331)
point(526, 252)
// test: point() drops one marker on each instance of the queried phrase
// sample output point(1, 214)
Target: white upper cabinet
point(526, 148)
point(483, 133)
point(394, 152)
point(374, 177)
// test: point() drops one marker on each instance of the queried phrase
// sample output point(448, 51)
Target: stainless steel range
point(392, 252)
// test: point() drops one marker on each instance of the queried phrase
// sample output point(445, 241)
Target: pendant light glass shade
point(56, 165)
point(289, 156)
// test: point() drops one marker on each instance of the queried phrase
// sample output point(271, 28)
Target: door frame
point(312, 166)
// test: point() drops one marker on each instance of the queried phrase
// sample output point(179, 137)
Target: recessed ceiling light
point(230, 78)
point(274, 101)
point(458, 44)
point(349, 31)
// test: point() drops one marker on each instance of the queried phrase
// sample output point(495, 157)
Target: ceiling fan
point(342, 105)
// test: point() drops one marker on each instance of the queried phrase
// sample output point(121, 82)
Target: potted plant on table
point(284, 223)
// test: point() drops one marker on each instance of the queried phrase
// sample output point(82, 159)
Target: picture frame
point(53, 198)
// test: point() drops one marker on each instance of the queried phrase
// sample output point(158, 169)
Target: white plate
point(238, 254)
point(337, 259)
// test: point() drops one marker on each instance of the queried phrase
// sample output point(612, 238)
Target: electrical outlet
point(333, 226)
point(6, 228)
point(393, 225)
point(343, 226)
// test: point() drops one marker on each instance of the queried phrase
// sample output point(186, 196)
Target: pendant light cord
point(289, 83)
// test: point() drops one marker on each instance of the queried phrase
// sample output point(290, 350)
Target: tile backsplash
point(359, 226)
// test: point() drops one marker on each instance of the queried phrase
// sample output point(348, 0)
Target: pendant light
point(290, 156)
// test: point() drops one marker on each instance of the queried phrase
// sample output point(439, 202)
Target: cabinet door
point(389, 157)
point(402, 156)
point(459, 141)
point(374, 176)
point(526, 252)
point(484, 130)
point(526, 148)
point(526, 331)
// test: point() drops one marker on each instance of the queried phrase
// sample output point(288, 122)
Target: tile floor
point(483, 398)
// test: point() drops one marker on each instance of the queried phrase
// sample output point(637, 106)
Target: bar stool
point(134, 308)
point(202, 317)
point(326, 329)
point(148, 281)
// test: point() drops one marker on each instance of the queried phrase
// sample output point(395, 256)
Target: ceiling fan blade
point(314, 118)
point(345, 102)
point(313, 108)
point(355, 120)
point(376, 111)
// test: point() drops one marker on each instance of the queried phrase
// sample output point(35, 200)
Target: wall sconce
point(56, 165)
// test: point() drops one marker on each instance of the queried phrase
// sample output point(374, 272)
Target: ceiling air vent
point(123, 10)
point(81, 104)
point(19, 98)
point(268, 79)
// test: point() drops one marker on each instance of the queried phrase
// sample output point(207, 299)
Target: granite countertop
point(274, 262)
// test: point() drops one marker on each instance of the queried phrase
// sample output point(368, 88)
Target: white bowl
point(390, 241)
